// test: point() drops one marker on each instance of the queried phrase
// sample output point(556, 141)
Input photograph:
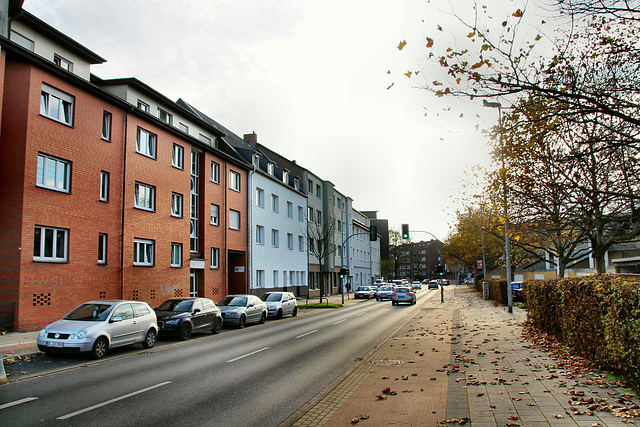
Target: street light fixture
point(504, 195)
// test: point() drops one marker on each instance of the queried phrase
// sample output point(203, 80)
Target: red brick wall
point(49, 290)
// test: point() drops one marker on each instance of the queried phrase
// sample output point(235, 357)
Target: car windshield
point(384, 288)
point(363, 288)
point(176, 305)
point(90, 312)
point(403, 290)
point(272, 297)
point(516, 285)
point(233, 301)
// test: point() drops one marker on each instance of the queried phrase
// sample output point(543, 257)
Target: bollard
point(441, 293)
point(485, 290)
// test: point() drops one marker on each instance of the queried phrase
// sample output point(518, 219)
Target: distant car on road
point(433, 284)
point(416, 285)
point(240, 310)
point(516, 289)
point(403, 294)
point(384, 292)
point(97, 326)
point(444, 282)
point(470, 281)
point(183, 316)
point(280, 304)
point(364, 292)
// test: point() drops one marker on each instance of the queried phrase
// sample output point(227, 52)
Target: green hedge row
point(497, 290)
point(597, 317)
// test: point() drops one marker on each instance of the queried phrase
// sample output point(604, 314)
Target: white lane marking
point(308, 333)
point(339, 321)
point(18, 402)
point(361, 314)
point(108, 402)
point(247, 355)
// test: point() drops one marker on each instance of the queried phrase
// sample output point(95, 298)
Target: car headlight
point(80, 335)
point(43, 333)
point(172, 322)
point(233, 313)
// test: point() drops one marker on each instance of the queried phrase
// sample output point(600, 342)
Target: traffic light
point(440, 270)
point(344, 272)
point(405, 231)
point(373, 233)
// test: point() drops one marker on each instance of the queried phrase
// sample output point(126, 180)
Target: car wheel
point(242, 321)
point(279, 314)
point(217, 326)
point(100, 347)
point(185, 331)
point(393, 303)
point(295, 312)
point(150, 339)
point(263, 318)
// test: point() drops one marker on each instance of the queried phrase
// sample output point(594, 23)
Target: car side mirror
point(250, 305)
point(116, 319)
point(197, 310)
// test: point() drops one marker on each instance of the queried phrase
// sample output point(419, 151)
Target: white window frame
point(103, 240)
point(104, 186)
point(289, 241)
point(184, 128)
point(177, 161)
point(289, 209)
point(276, 278)
point(143, 106)
point(215, 172)
point(215, 214)
point(146, 143)
point(259, 278)
point(58, 242)
point(260, 197)
point(61, 170)
point(146, 249)
point(300, 214)
point(310, 214)
point(275, 203)
point(215, 258)
point(319, 217)
point(149, 192)
point(318, 191)
point(300, 243)
point(234, 181)
point(260, 235)
point(205, 139)
point(56, 105)
point(176, 254)
point(165, 116)
point(106, 125)
point(176, 205)
point(21, 40)
point(275, 238)
point(62, 62)
point(233, 216)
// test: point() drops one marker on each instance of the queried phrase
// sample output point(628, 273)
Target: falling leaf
point(402, 44)
point(390, 86)
point(538, 37)
point(439, 28)
point(517, 14)
point(429, 42)
point(472, 34)
point(504, 23)
point(408, 74)
point(388, 72)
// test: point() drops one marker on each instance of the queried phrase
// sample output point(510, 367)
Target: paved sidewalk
point(466, 362)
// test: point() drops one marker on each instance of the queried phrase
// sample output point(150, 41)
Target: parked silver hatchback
point(280, 304)
point(97, 326)
point(242, 309)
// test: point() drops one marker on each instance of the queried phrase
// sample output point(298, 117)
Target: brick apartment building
point(109, 189)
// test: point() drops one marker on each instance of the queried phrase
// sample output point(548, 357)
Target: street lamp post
point(504, 200)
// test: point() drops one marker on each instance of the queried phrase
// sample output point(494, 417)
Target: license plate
point(54, 344)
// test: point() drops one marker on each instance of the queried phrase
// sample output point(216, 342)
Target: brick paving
point(464, 361)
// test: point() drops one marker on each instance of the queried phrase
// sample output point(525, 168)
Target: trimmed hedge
point(597, 317)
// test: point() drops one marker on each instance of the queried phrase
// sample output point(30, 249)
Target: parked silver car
point(242, 309)
point(97, 326)
point(403, 294)
point(280, 304)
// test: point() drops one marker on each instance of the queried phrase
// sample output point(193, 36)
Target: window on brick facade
point(143, 252)
point(215, 214)
point(56, 105)
point(215, 172)
point(146, 143)
point(234, 219)
point(102, 248)
point(234, 180)
point(53, 173)
point(178, 157)
point(106, 126)
point(176, 205)
point(104, 186)
point(215, 258)
point(50, 244)
point(176, 254)
point(145, 197)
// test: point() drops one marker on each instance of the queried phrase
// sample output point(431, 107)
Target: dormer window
point(143, 106)
point(62, 63)
point(296, 183)
point(165, 116)
point(270, 168)
point(255, 160)
point(285, 177)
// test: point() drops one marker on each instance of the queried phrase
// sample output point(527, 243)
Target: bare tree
point(321, 242)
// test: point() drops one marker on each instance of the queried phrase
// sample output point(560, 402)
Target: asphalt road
point(256, 376)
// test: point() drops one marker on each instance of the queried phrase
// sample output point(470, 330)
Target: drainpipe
point(124, 186)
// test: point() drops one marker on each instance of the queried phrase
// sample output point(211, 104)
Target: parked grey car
point(240, 310)
point(403, 294)
point(97, 326)
point(280, 304)
point(384, 292)
point(183, 316)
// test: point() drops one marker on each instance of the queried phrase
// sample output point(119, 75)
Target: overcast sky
point(310, 78)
